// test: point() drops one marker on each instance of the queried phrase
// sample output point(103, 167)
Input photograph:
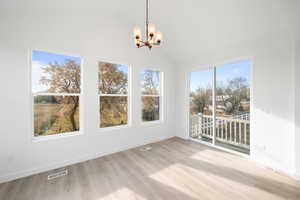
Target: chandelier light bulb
point(151, 29)
point(137, 32)
point(158, 37)
point(137, 43)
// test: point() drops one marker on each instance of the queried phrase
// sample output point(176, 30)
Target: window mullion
point(214, 105)
point(56, 94)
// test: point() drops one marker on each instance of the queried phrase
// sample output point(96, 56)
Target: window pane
point(150, 108)
point(201, 109)
point(55, 73)
point(55, 114)
point(233, 106)
point(150, 82)
point(113, 78)
point(113, 111)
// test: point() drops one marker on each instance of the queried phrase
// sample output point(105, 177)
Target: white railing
point(228, 130)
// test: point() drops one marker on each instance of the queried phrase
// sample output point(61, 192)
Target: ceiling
point(195, 27)
point(190, 27)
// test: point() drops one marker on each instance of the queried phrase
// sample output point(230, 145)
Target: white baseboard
point(274, 167)
point(25, 173)
point(278, 168)
point(297, 176)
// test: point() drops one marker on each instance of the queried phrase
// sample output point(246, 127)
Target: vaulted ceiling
point(190, 27)
point(193, 27)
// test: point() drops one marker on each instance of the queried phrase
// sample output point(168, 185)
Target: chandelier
point(151, 38)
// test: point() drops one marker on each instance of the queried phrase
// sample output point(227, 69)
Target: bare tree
point(111, 79)
point(201, 99)
point(150, 86)
point(237, 89)
point(64, 78)
point(151, 82)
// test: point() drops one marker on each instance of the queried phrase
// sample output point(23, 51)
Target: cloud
point(37, 72)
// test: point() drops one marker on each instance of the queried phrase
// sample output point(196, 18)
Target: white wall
point(272, 119)
point(297, 107)
point(78, 29)
point(96, 31)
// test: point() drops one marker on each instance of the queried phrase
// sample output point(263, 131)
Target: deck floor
point(174, 169)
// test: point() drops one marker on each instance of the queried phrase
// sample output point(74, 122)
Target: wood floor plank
point(174, 169)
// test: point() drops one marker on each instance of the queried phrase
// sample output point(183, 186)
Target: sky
point(223, 74)
point(155, 78)
point(41, 59)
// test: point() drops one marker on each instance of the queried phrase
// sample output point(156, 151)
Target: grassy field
point(53, 118)
point(113, 111)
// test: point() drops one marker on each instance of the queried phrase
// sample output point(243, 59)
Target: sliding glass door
point(228, 120)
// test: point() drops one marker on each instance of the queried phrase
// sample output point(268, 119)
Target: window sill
point(55, 137)
point(114, 128)
point(151, 123)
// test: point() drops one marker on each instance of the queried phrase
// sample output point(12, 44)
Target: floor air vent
point(146, 148)
point(58, 174)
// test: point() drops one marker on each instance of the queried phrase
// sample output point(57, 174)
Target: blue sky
point(41, 59)
point(223, 73)
point(45, 57)
point(123, 68)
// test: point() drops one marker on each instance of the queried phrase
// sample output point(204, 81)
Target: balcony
point(231, 133)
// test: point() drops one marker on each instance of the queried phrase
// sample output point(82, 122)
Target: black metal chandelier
point(151, 38)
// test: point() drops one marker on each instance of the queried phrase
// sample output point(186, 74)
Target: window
point(151, 95)
point(113, 94)
point(56, 83)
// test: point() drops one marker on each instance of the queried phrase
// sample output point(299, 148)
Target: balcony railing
point(233, 131)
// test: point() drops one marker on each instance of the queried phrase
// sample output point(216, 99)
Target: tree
point(64, 78)
point(201, 99)
point(150, 86)
point(237, 89)
point(150, 82)
point(111, 79)
point(228, 95)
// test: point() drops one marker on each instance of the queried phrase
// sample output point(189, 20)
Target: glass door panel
point(233, 106)
point(201, 107)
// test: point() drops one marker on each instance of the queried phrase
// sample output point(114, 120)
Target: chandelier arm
point(141, 41)
point(147, 19)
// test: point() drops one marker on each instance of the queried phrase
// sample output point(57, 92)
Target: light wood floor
point(174, 169)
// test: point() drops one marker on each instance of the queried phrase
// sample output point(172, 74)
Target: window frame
point(160, 95)
point(128, 95)
point(32, 95)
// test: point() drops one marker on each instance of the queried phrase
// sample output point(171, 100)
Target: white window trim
point(161, 100)
point(129, 101)
point(33, 94)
